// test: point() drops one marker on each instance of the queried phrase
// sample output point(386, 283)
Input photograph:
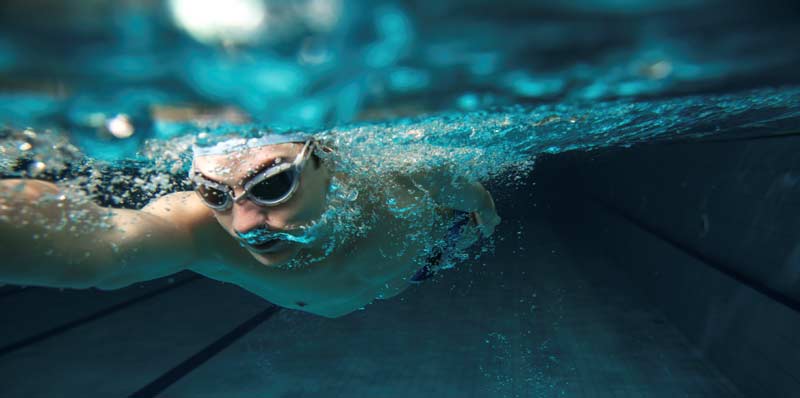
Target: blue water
point(107, 100)
point(630, 69)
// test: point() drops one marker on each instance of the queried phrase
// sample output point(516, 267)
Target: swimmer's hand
point(459, 193)
point(486, 220)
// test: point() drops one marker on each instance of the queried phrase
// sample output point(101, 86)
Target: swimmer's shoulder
point(187, 212)
point(184, 209)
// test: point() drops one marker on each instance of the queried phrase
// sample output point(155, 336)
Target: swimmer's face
point(304, 206)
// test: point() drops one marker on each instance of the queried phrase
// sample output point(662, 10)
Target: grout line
point(740, 277)
point(187, 366)
point(91, 317)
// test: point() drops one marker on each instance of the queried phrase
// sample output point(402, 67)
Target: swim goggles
point(271, 187)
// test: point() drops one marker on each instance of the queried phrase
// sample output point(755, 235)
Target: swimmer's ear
point(317, 160)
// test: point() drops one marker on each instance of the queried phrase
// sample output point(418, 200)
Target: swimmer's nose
point(247, 216)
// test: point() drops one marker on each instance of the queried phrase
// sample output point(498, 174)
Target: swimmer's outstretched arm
point(49, 240)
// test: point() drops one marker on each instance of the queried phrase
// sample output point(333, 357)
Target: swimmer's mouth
point(265, 241)
point(267, 246)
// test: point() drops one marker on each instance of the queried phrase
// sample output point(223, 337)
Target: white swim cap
point(236, 144)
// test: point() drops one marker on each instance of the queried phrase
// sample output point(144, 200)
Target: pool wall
point(710, 233)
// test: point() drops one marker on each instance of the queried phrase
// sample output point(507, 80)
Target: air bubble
point(36, 168)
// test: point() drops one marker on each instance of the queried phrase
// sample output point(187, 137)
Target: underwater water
point(106, 99)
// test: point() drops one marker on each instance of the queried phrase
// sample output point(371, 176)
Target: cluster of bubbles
point(28, 154)
point(79, 184)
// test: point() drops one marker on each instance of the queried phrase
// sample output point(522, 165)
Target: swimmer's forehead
point(225, 145)
point(241, 164)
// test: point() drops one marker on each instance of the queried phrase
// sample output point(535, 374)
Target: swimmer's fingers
point(486, 222)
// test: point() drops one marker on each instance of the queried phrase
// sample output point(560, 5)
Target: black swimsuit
point(442, 256)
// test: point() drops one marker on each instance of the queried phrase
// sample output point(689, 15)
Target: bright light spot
point(323, 14)
point(220, 21)
point(36, 168)
point(120, 126)
point(30, 134)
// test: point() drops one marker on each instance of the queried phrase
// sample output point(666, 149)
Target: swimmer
point(268, 195)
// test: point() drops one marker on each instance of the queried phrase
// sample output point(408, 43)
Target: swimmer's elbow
point(332, 314)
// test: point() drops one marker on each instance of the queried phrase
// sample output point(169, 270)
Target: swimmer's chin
point(277, 258)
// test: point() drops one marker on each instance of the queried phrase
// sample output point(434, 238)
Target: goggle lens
point(274, 188)
point(212, 196)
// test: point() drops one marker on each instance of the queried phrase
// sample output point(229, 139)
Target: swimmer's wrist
point(23, 191)
point(486, 220)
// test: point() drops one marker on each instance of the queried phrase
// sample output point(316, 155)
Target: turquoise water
point(107, 101)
